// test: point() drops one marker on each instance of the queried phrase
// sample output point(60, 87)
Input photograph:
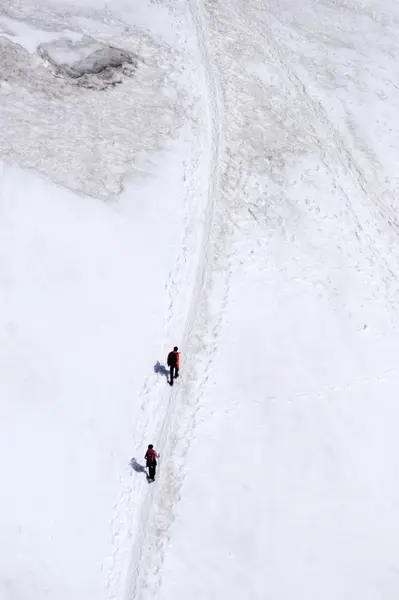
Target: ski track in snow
point(156, 514)
point(136, 496)
point(343, 153)
point(130, 517)
point(337, 152)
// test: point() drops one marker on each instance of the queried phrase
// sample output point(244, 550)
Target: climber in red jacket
point(151, 460)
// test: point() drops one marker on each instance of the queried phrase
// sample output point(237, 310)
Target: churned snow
point(222, 176)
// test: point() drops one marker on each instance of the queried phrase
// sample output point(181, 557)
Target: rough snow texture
point(76, 59)
point(252, 155)
point(86, 141)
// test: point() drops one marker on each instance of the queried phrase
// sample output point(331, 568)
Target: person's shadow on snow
point(137, 466)
point(161, 369)
point(140, 469)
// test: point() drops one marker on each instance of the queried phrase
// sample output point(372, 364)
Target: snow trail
point(179, 416)
point(248, 160)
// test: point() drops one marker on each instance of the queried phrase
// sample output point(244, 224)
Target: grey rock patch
point(88, 63)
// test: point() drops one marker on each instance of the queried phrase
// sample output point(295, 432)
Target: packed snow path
point(176, 430)
point(231, 187)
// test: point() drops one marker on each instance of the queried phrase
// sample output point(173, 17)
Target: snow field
point(247, 165)
point(88, 296)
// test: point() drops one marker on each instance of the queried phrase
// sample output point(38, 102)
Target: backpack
point(150, 456)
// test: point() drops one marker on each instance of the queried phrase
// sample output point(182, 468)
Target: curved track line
point(157, 514)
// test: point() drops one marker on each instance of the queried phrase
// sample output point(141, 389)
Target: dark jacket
point(173, 359)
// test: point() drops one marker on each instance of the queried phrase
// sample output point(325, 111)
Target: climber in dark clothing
point(174, 364)
point(151, 462)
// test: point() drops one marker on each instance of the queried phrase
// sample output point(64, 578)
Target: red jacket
point(151, 455)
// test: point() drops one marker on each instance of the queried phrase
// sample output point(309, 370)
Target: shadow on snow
point(138, 468)
point(161, 369)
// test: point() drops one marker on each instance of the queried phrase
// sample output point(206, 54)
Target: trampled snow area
point(219, 175)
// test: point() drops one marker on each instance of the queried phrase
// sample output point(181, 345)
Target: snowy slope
point(99, 235)
point(282, 457)
point(229, 187)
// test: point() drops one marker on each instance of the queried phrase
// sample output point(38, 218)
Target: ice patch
point(88, 141)
point(87, 57)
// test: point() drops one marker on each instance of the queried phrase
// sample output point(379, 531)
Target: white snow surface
point(234, 193)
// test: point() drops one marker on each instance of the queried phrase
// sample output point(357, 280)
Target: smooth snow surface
point(232, 189)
